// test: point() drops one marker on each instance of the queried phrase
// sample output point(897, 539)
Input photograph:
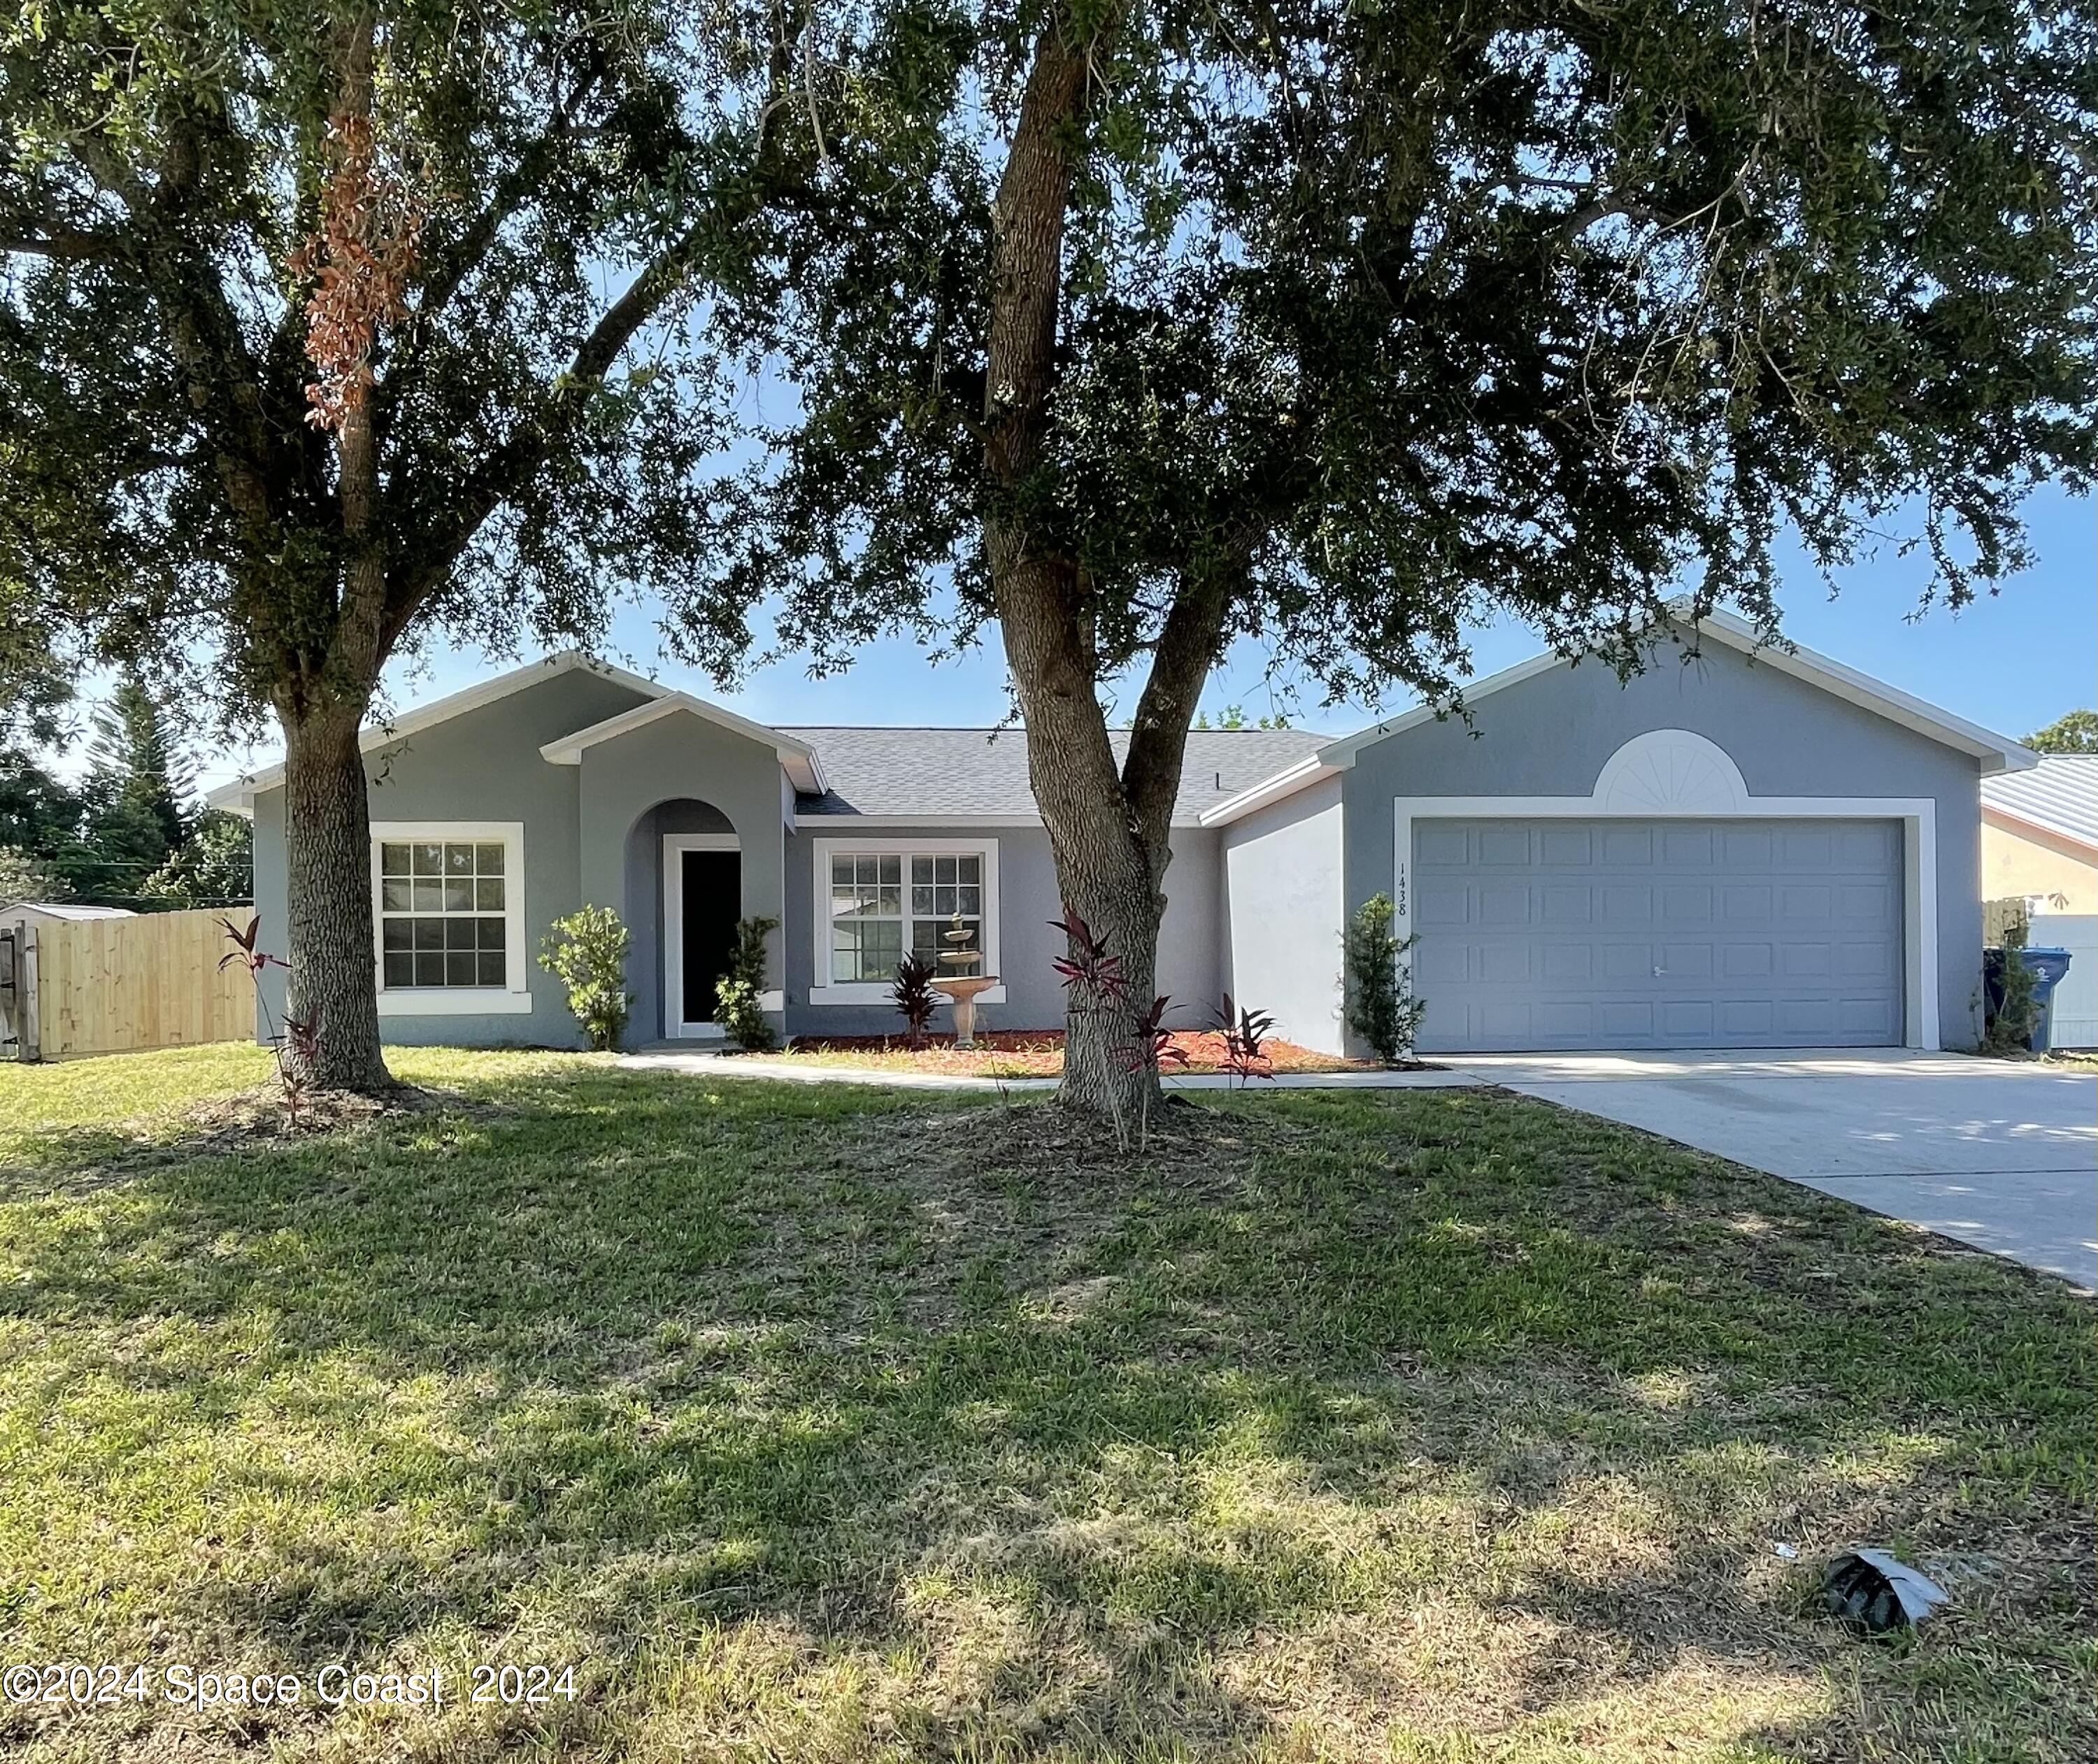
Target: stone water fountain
point(962, 985)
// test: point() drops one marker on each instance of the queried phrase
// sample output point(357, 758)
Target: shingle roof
point(927, 774)
point(2060, 794)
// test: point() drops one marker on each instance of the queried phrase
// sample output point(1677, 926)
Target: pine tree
point(136, 819)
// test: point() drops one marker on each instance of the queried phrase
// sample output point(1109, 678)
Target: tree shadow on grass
point(820, 1424)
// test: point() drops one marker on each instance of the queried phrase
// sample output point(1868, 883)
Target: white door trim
point(1917, 814)
point(675, 846)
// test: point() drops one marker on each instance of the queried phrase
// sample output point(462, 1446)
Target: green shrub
point(586, 952)
point(737, 999)
point(2017, 1012)
point(1381, 1008)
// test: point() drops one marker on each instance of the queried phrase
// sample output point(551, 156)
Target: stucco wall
point(684, 759)
point(1549, 735)
point(643, 908)
point(2021, 860)
point(1283, 886)
point(483, 765)
point(1027, 900)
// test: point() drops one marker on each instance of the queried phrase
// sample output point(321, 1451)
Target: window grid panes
point(874, 917)
point(442, 906)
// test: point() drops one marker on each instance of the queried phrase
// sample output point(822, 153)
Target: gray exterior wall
point(1028, 898)
point(483, 765)
point(1549, 736)
point(642, 906)
point(712, 776)
point(1282, 870)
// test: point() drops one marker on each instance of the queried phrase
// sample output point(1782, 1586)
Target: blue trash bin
point(2047, 967)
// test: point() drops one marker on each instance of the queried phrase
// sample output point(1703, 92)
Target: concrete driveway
point(2004, 1156)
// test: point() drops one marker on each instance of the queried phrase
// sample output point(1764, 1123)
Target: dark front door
point(713, 890)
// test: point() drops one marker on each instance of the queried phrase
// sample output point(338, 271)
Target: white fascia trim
point(1999, 754)
point(879, 991)
point(516, 999)
point(795, 755)
point(238, 796)
point(1919, 818)
point(1340, 754)
point(2026, 822)
point(1283, 783)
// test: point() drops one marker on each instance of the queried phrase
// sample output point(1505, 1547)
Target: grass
point(811, 1423)
point(1034, 1053)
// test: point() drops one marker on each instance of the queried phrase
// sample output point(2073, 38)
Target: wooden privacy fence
point(116, 985)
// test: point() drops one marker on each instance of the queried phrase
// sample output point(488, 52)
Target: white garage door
point(1676, 933)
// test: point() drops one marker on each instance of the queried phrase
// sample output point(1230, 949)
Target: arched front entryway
point(684, 895)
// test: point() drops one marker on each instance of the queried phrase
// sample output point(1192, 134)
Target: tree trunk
point(327, 844)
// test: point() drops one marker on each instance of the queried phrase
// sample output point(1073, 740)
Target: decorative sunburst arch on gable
point(1670, 771)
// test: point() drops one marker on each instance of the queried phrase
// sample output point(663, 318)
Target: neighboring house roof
point(1997, 753)
point(803, 769)
point(2058, 796)
point(68, 910)
point(943, 774)
point(239, 795)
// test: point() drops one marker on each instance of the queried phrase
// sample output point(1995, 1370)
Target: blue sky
point(2012, 662)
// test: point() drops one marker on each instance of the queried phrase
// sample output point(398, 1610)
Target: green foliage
point(165, 492)
point(2010, 1027)
point(24, 878)
point(586, 952)
point(737, 1007)
point(1399, 318)
point(214, 867)
point(1381, 1007)
point(2075, 733)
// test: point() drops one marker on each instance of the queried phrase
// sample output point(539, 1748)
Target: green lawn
point(812, 1424)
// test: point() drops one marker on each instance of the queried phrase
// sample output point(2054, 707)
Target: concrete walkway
point(1998, 1154)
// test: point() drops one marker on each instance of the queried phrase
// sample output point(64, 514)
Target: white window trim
point(1917, 814)
point(881, 991)
point(514, 999)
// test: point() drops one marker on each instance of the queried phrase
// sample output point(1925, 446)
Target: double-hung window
point(449, 907)
point(887, 898)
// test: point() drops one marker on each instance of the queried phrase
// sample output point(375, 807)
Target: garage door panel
point(1628, 961)
point(1501, 903)
point(1439, 904)
point(1687, 846)
point(1685, 904)
point(1443, 845)
point(1746, 903)
point(1507, 845)
point(1541, 934)
point(1626, 844)
point(1626, 905)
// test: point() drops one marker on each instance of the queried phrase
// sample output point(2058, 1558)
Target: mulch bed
point(1037, 1053)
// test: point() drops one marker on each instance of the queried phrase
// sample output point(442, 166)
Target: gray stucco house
point(1739, 847)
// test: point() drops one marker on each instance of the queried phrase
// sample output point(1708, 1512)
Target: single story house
point(1739, 847)
point(2039, 834)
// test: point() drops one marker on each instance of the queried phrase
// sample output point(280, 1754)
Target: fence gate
point(120, 985)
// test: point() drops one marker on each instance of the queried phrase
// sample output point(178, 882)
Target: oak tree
point(1345, 326)
point(330, 332)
